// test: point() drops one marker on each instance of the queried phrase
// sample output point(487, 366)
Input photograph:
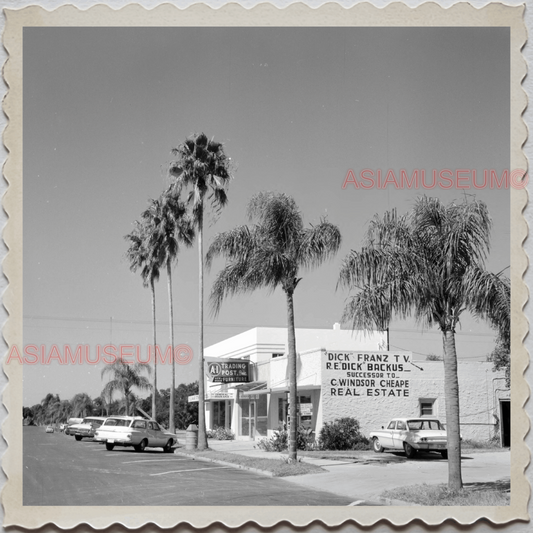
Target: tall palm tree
point(82, 404)
point(170, 226)
point(141, 256)
point(124, 378)
point(202, 166)
point(271, 253)
point(428, 264)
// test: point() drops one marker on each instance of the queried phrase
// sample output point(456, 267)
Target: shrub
point(342, 434)
point(279, 442)
point(220, 433)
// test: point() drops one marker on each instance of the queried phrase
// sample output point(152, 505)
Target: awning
point(253, 385)
point(279, 390)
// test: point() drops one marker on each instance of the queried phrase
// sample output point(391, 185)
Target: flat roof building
point(341, 373)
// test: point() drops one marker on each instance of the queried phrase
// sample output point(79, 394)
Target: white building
point(342, 373)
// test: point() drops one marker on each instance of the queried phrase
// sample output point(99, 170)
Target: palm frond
point(319, 243)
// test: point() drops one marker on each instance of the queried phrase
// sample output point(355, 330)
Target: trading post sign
point(234, 371)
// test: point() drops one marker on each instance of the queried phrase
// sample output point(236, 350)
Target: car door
point(141, 431)
point(156, 435)
point(399, 435)
point(388, 433)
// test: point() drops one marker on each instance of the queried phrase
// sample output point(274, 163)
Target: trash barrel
point(191, 437)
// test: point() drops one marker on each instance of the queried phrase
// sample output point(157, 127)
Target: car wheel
point(109, 447)
point(409, 450)
point(141, 446)
point(378, 448)
point(444, 454)
point(168, 446)
point(78, 437)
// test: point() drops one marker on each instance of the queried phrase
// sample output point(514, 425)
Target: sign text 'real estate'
point(367, 373)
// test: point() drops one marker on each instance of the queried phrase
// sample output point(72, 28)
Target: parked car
point(71, 422)
point(411, 435)
point(87, 427)
point(49, 429)
point(62, 427)
point(134, 431)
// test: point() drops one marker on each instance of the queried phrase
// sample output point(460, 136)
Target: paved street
point(367, 480)
point(58, 470)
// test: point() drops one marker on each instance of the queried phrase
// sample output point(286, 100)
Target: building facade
point(341, 373)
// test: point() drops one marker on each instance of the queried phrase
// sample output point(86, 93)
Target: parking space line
point(191, 470)
point(153, 460)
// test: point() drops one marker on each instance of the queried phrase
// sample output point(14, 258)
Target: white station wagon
point(410, 435)
point(134, 431)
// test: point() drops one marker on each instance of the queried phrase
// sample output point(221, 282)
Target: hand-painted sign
point(213, 395)
point(374, 374)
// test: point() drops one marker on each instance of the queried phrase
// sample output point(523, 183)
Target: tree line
point(53, 410)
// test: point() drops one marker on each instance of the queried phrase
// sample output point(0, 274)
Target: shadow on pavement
point(501, 485)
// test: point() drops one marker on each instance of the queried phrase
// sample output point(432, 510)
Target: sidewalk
point(249, 448)
point(366, 481)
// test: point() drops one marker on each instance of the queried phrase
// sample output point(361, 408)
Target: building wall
point(480, 388)
point(478, 398)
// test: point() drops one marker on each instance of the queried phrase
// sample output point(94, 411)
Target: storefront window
point(219, 414)
point(305, 411)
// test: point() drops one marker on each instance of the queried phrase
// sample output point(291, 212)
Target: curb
point(225, 463)
point(397, 503)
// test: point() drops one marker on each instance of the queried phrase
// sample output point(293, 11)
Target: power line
point(226, 325)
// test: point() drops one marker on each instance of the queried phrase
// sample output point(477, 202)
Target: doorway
point(248, 418)
point(505, 417)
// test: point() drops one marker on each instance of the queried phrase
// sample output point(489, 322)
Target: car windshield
point(117, 422)
point(416, 425)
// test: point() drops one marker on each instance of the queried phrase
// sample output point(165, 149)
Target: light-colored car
point(411, 435)
point(49, 429)
point(134, 431)
point(87, 427)
point(71, 422)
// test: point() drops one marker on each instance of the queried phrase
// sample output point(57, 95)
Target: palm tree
point(59, 411)
point(202, 166)
point(270, 254)
point(428, 264)
point(170, 226)
point(82, 404)
point(49, 406)
point(141, 255)
point(124, 378)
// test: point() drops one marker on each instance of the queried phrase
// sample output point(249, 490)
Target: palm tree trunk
point(173, 386)
point(202, 433)
point(293, 390)
point(451, 387)
point(127, 403)
point(154, 382)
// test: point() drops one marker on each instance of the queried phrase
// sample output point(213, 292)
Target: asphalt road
point(58, 470)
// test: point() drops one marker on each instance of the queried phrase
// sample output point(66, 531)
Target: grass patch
point(277, 467)
point(478, 445)
point(482, 494)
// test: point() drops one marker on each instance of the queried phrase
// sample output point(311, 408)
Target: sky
point(296, 109)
